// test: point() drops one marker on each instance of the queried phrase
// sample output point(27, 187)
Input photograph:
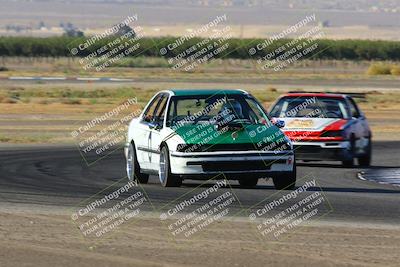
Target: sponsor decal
point(300, 124)
point(316, 124)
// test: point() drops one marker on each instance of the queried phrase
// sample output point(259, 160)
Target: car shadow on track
point(339, 166)
point(353, 190)
point(233, 184)
point(311, 189)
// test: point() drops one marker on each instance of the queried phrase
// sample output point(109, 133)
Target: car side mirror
point(154, 125)
point(279, 123)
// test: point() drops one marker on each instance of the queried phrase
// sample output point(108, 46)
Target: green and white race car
point(201, 134)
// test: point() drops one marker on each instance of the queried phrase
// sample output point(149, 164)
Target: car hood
point(208, 134)
point(307, 124)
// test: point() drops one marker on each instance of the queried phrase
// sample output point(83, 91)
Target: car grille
point(218, 147)
point(247, 165)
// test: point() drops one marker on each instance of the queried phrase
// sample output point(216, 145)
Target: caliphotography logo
point(103, 134)
point(110, 209)
point(188, 133)
point(282, 213)
point(194, 214)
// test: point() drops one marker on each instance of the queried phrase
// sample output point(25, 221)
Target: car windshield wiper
point(241, 120)
point(202, 118)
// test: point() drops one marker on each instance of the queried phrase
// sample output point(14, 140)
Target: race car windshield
point(213, 109)
point(310, 107)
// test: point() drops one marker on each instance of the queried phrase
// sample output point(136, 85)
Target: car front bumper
point(231, 163)
point(322, 150)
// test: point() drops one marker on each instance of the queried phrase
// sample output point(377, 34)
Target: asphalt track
point(58, 176)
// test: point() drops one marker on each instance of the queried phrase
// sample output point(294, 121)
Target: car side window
point(148, 115)
point(160, 112)
point(354, 109)
point(277, 109)
point(256, 115)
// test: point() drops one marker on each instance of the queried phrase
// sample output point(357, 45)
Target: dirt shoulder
point(40, 238)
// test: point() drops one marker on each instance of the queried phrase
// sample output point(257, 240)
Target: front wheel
point(286, 181)
point(349, 157)
point(248, 182)
point(365, 160)
point(348, 162)
point(133, 168)
point(167, 179)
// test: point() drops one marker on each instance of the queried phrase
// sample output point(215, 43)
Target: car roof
point(190, 92)
point(300, 94)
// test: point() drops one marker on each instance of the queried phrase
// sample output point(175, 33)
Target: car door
point(359, 126)
point(143, 131)
point(155, 133)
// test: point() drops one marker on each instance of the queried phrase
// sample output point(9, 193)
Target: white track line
point(87, 79)
point(20, 78)
point(120, 80)
point(30, 78)
point(53, 78)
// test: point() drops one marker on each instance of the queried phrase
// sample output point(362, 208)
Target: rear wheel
point(133, 168)
point(248, 182)
point(365, 160)
point(167, 179)
point(285, 181)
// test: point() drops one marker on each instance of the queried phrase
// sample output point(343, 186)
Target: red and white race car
point(324, 126)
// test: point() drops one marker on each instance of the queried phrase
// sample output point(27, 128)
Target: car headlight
point(181, 147)
point(288, 143)
point(187, 148)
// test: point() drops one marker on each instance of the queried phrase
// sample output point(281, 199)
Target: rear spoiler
point(355, 95)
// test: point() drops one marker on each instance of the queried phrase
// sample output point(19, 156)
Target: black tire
point(365, 160)
point(349, 161)
point(248, 182)
point(169, 180)
point(135, 173)
point(286, 181)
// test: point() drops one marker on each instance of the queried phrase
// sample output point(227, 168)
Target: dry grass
point(151, 67)
point(37, 105)
point(47, 114)
point(383, 69)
